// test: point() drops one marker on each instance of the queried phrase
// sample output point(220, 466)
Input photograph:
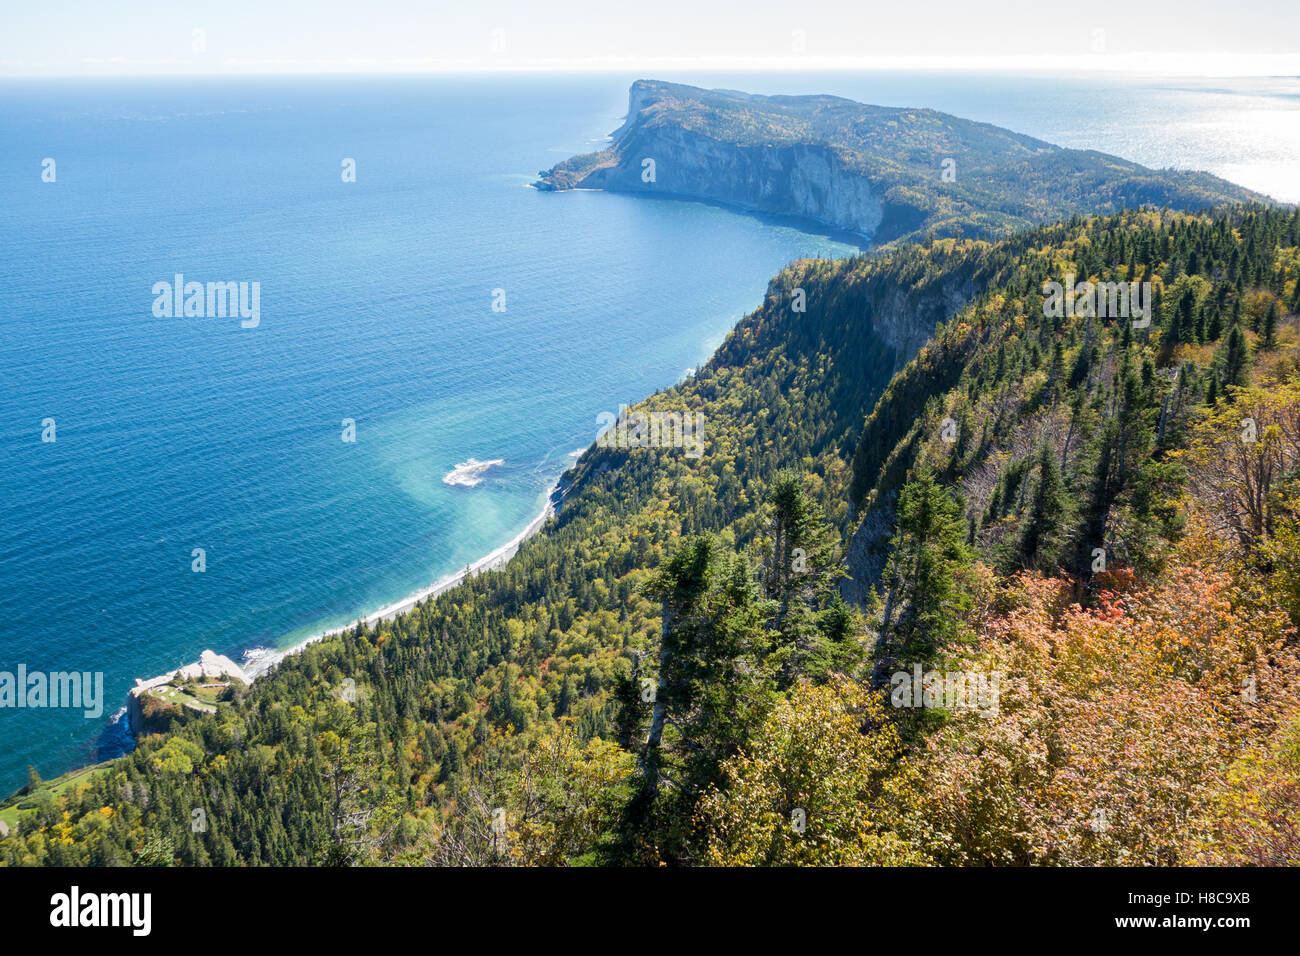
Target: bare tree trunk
point(1164, 409)
point(884, 642)
point(659, 713)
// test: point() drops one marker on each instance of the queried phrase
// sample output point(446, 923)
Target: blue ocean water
point(376, 305)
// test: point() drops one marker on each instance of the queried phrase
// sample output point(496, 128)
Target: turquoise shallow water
point(376, 305)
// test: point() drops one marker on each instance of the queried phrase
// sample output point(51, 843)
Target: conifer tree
point(927, 577)
point(801, 571)
point(715, 685)
point(1271, 319)
point(1043, 523)
point(1236, 357)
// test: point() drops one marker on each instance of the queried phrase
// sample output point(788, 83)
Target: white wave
point(259, 660)
point(255, 657)
point(470, 473)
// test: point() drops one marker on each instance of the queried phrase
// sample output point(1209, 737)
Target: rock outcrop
point(880, 172)
point(807, 181)
point(142, 712)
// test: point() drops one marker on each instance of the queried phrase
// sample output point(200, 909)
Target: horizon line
point(1209, 65)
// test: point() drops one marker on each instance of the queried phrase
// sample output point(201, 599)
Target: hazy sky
point(216, 36)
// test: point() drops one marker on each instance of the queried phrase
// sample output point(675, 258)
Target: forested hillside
point(885, 172)
point(1094, 521)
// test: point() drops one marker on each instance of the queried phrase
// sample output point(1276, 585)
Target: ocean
point(437, 311)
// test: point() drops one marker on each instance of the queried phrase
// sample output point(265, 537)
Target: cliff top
point(932, 171)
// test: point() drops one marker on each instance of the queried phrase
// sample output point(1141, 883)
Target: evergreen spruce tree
point(1236, 357)
point(927, 578)
point(1042, 527)
point(1271, 319)
point(801, 572)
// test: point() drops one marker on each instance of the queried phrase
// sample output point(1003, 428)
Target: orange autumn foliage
point(1116, 725)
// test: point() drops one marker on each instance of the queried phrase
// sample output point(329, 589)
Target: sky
point(1200, 37)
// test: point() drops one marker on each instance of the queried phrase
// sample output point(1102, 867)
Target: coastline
point(261, 660)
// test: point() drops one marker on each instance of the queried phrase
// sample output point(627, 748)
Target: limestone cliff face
point(901, 320)
point(872, 170)
point(905, 322)
point(868, 551)
point(639, 97)
point(803, 180)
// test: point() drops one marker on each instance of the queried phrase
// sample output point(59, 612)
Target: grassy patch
point(11, 807)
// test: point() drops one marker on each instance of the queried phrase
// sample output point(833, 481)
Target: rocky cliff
point(810, 181)
point(152, 704)
point(880, 172)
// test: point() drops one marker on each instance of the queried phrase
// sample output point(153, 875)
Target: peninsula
point(880, 172)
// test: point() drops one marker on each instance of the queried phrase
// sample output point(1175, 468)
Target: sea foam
point(470, 473)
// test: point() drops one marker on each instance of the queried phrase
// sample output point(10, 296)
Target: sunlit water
point(376, 305)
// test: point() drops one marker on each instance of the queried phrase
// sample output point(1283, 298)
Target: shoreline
point(258, 661)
